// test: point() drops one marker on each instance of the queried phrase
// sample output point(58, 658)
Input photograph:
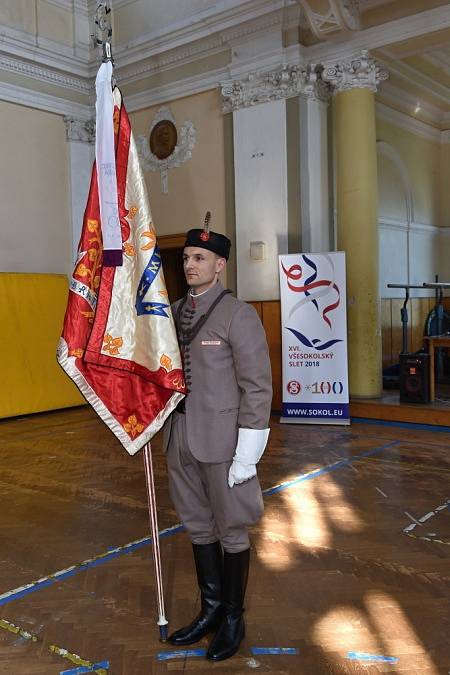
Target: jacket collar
point(204, 301)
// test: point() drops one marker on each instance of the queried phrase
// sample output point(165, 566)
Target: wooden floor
point(388, 407)
point(351, 559)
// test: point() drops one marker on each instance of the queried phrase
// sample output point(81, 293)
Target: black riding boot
point(209, 565)
point(232, 629)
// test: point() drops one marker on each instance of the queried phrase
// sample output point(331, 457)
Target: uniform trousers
point(209, 509)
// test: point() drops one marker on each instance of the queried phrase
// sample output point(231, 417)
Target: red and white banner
point(119, 341)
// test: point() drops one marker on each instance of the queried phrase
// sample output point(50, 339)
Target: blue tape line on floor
point(290, 651)
point(86, 669)
point(22, 591)
point(180, 654)
point(327, 469)
point(403, 425)
point(362, 656)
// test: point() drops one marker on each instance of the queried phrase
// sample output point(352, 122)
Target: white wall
point(35, 218)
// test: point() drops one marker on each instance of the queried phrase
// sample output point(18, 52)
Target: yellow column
point(357, 218)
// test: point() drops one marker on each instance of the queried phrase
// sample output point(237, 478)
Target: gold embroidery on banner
point(89, 274)
point(178, 382)
point(116, 118)
point(112, 344)
point(132, 212)
point(129, 249)
point(150, 234)
point(76, 352)
point(166, 362)
point(89, 316)
point(83, 271)
point(133, 427)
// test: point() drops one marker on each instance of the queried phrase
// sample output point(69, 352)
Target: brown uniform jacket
point(228, 375)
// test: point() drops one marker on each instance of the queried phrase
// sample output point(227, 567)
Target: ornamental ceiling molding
point(356, 72)
point(282, 83)
point(340, 16)
point(397, 30)
point(172, 91)
point(439, 59)
point(160, 63)
point(197, 40)
point(406, 102)
point(42, 52)
point(63, 4)
point(14, 65)
point(404, 121)
point(408, 74)
point(182, 151)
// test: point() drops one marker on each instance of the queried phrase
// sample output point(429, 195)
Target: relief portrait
point(163, 139)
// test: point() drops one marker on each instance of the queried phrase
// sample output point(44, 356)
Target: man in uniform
point(216, 437)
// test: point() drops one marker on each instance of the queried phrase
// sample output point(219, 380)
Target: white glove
point(250, 447)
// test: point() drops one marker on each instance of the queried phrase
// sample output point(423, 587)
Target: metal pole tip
point(163, 633)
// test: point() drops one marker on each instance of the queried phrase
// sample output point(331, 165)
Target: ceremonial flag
point(119, 342)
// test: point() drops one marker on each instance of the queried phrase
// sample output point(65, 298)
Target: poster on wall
point(314, 338)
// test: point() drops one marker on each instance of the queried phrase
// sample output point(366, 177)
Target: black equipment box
point(415, 378)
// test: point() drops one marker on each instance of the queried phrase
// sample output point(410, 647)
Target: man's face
point(201, 267)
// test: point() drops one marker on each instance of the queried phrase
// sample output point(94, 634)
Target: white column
point(260, 168)
point(314, 184)
point(80, 138)
point(258, 102)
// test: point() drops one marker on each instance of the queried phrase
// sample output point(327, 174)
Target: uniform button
point(187, 370)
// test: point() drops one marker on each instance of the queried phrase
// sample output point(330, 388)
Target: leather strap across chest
point(185, 337)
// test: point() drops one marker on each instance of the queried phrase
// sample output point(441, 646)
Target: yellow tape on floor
point(32, 308)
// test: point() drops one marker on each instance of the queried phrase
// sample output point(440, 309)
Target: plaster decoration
point(182, 151)
point(79, 130)
point(360, 71)
point(351, 12)
point(285, 82)
point(14, 65)
point(315, 87)
point(341, 16)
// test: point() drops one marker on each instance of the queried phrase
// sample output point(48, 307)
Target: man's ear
point(220, 264)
